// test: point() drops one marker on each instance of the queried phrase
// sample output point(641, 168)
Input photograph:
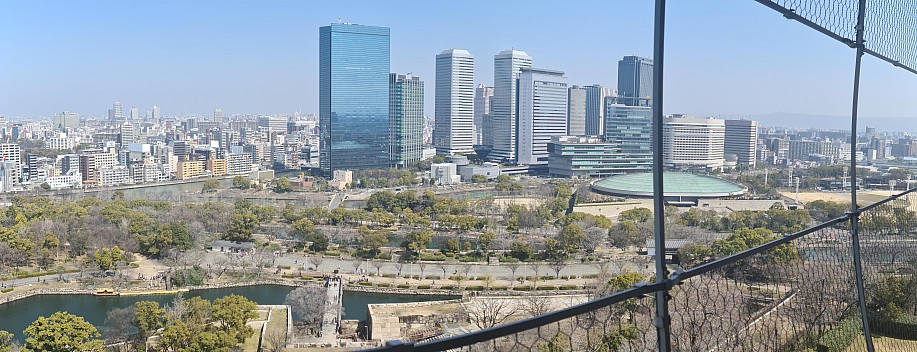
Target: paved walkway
point(332, 317)
point(632, 263)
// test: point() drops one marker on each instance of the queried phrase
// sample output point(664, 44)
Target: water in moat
point(17, 315)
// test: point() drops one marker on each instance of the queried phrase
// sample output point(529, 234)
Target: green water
point(16, 316)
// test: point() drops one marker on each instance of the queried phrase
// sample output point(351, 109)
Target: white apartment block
point(118, 175)
point(693, 143)
point(10, 152)
point(61, 142)
point(238, 164)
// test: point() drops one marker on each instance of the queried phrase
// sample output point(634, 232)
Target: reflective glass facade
point(630, 128)
point(353, 97)
point(635, 81)
point(406, 122)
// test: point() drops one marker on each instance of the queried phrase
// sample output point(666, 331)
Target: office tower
point(117, 110)
point(127, 134)
point(157, 115)
point(69, 164)
point(11, 155)
point(635, 81)
point(631, 129)
point(693, 143)
point(274, 124)
point(66, 120)
point(453, 130)
point(576, 111)
point(218, 116)
point(742, 140)
point(507, 65)
point(595, 109)
point(482, 97)
point(406, 119)
point(135, 114)
point(542, 113)
point(353, 97)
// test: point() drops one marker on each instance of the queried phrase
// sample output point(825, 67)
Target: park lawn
point(251, 343)
point(883, 344)
point(262, 315)
point(278, 322)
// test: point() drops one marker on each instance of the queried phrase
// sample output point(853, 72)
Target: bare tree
point(117, 326)
point(536, 305)
point(308, 302)
point(421, 266)
point(399, 265)
point(466, 268)
point(443, 267)
point(356, 265)
point(275, 341)
point(513, 267)
point(378, 264)
point(316, 261)
point(489, 312)
point(603, 268)
point(536, 267)
point(557, 265)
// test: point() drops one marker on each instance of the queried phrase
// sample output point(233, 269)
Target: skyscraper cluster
point(373, 118)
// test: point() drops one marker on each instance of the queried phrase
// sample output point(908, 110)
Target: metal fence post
point(662, 319)
point(854, 209)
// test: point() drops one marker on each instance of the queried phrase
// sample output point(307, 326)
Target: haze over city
point(725, 58)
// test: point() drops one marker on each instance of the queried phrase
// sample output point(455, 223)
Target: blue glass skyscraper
point(353, 97)
point(635, 81)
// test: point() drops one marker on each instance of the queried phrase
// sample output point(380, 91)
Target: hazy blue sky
point(724, 57)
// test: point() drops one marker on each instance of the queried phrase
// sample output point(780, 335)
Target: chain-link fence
point(793, 293)
point(889, 246)
point(889, 26)
point(849, 284)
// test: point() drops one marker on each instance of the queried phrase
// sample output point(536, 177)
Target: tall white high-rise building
point(157, 115)
point(117, 110)
point(742, 140)
point(135, 114)
point(542, 113)
point(11, 156)
point(127, 134)
point(482, 97)
point(576, 111)
point(692, 143)
point(218, 116)
point(507, 65)
point(453, 130)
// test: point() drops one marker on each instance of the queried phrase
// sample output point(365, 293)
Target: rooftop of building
point(675, 184)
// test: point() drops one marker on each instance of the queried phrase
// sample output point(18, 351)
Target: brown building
point(217, 167)
point(189, 169)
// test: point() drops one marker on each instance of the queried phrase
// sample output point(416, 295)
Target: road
point(35, 280)
point(639, 264)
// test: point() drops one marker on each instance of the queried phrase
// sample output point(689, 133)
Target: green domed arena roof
point(676, 184)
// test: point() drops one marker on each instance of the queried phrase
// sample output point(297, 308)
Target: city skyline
point(263, 59)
